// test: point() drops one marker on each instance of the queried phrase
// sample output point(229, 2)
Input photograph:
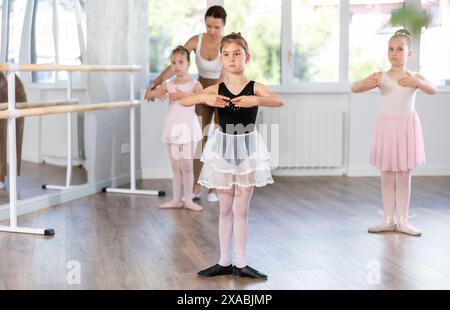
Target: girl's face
point(180, 64)
point(214, 26)
point(398, 51)
point(234, 57)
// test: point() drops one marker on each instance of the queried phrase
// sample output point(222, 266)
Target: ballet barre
point(17, 110)
point(50, 110)
point(68, 68)
point(24, 105)
point(11, 67)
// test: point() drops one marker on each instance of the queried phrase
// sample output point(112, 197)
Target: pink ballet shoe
point(193, 206)
point(171, 205)
point(405, 227)
point(387, 225)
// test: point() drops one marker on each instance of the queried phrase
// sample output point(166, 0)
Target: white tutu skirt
point(241, 160)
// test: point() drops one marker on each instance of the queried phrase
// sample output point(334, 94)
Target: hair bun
point(403, 32)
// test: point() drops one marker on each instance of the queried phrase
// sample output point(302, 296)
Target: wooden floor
point(305, 233)
point(33, 176)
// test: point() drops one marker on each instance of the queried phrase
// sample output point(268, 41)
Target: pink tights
point(182, 168)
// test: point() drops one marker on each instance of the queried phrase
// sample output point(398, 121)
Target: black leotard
point(236, 120)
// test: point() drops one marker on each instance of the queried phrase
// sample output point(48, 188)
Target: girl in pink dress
point(397, 145)
point(181, 130)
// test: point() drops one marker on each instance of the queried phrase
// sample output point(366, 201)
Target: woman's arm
point(368, 83)
point(208, 96)
point(159, 93)
point(223, 75)
point(164, 75)
point(263, 97)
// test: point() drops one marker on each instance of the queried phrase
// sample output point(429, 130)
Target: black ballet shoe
point(216, 270)
point(249, 272)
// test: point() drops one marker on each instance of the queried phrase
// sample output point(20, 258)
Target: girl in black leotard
point(235, 158)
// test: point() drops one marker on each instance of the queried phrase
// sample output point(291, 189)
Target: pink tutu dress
point(398, 142)
point(181, 125)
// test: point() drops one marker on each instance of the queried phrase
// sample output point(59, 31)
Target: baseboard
point(365, 171)
point(51, 160)
point(167, 174)
point(61, 161)
point(307, 171)
point(31, 157)
point(57, 197)
point(369, 171)
point(156, 174)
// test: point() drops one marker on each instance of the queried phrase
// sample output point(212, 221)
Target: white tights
point(234, 204)
point(396, 190)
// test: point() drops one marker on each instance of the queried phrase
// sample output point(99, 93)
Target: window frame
point(26, 43)
point(4, 32)
point(288, 83)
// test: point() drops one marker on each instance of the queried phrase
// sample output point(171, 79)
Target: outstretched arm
point(209, 96)
point(180, 95)
point(158, 93)
point(263, 97)
point(370, 82)
point(164, 75)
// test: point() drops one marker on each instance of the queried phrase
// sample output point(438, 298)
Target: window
point(172, 23)
point(69, 47)
point(435, 58)
point(259, 22)
point(16, 19)
point(69, 52)
point(1, 19)
point(56, 37)
point(44, 40)
point(304, 44)
point(315, 43)
point(369, 32)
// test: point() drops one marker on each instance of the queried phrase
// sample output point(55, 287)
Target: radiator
point(304, 138)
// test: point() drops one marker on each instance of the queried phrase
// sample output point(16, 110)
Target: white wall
point(45, 137)
point(155, 163)
point(154, 157)
point(117, 34)
point(360, 113)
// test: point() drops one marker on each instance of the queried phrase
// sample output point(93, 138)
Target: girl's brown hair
point(181, 50)
point(236, 38)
